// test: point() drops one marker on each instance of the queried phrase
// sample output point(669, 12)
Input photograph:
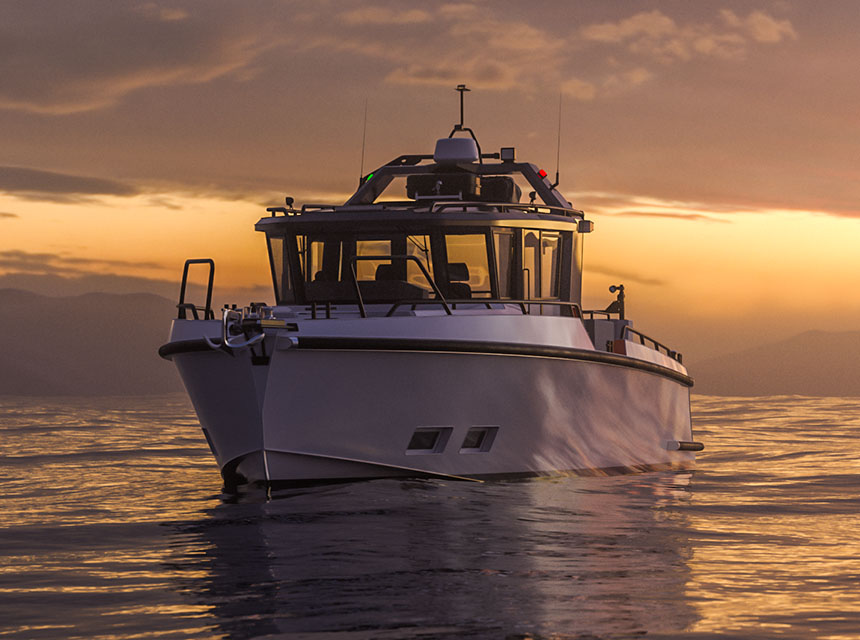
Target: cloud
point(3, 214)
point(579, 89)
point(381, 15)
point(166, 14)
point(625, 276)
point(616, 82)
point(655, 35)
point(17, 261)
point(619, 204)
point(48, 185)
point(760, 26)
point(68, 58)
point(467, 43)
point(650, 24)
point(692, 217)
point(51, 284)
point(487, 53)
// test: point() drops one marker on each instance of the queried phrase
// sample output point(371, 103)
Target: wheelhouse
point(452, 231)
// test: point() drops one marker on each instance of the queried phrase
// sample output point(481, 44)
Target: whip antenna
point(558, 144)
point(363, 140)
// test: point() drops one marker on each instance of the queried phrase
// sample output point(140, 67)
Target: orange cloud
point(760, 26)
point(648, 24)
point(380, 15)
point(653, 34)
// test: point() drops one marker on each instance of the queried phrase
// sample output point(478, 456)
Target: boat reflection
point(439, 559)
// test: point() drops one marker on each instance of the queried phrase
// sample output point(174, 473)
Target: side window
point(549, 263)
point(503, 242)
point(541, 262)
point(314, 260)
point(280, 269)
point(468, 264)
point(366, 269)
point(419, 246)
point(531, 264)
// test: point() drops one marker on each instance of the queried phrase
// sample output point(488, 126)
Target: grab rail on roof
point(435, 206)
point(508, 206)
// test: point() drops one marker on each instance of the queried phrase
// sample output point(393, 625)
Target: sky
point(716, 145)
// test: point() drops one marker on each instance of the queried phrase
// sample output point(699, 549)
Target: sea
point(113, 524)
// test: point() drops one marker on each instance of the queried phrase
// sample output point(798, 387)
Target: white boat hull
point(340, 411)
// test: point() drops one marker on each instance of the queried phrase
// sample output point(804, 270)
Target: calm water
point(113, 526)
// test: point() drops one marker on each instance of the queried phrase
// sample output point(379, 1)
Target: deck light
point(508, 154)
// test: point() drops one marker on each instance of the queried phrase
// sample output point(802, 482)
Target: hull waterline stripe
point(453, 346)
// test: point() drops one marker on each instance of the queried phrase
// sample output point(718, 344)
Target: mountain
point(814, 363)
point(105, 344)
point(91, 344)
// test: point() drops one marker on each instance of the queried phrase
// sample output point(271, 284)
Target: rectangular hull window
point(479, 439)
point(426, 440)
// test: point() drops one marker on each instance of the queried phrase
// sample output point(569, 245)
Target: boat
point(430, 326)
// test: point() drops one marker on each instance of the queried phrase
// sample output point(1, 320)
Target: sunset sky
point(716, 145)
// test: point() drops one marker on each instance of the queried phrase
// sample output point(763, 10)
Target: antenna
point(363, 140)
point(459, 127)
point(558, 144)
point(462, 89)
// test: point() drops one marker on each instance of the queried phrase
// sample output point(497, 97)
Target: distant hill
point(91, 344)
point(106, 344)
point(814, 363)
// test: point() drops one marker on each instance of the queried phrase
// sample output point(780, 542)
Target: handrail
point(435, 206)
point(589, 314)
point(441, 299)
point(208, 313)
point(658, 346)
point(507, 206)
point(524, 305)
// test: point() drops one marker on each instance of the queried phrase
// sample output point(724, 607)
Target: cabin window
point(549, 254)
point(468, 266)
point(541, 253)
point(280, 270)
point(327, 262)
point(503, 242)
point(367, 269)
point(313, 255)
point(419, 246)
point(531, 264)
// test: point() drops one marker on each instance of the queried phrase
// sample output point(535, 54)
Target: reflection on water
point(113, 527)
point(578, 555)
point(776, 516)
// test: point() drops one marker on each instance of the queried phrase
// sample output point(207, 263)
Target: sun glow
point(726, 264)
point(711, 262)
point(146, 236)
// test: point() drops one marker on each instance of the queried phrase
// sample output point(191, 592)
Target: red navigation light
point(542, 173)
